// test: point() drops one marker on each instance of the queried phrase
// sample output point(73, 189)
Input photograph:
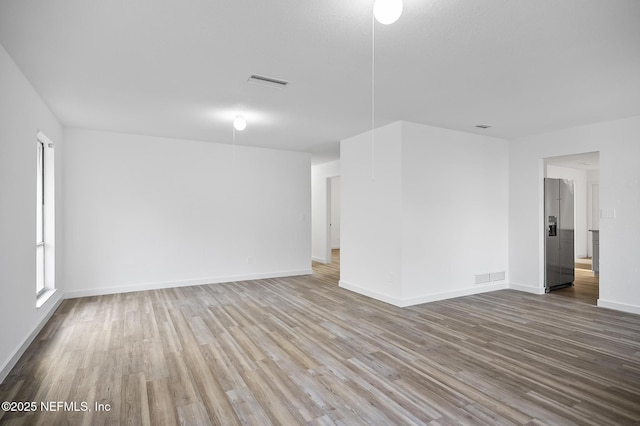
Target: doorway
point(333, 218)
point(584, 171)
point(586, 284)
point(330, 271)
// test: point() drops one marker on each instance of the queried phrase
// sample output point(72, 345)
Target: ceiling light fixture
point(387, 11)
point(239, 123)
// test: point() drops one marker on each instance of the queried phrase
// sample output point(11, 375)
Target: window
point(40, 221)
point(45, 219)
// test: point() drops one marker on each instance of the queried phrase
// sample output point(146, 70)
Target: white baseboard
point(171, 284)
point(318, 259)
point(632, 309)
point(456, 293)
point(13, 360)
point(370, 293)
point(422, 299)
point(527, 288)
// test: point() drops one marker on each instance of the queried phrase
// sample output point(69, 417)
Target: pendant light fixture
point(387, 11)
point(239, 123)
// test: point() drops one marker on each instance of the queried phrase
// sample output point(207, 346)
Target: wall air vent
point(483, 278)
point(497, 276)
point(262, 80)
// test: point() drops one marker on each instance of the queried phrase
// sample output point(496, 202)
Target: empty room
point(371, 212)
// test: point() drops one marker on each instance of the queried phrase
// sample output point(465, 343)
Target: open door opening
point(330, 271)
point(582, 262)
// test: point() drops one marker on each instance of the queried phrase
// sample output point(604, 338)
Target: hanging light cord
point(233, 151)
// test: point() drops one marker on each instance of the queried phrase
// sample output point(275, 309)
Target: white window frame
point(45, 220)
point(40, 215)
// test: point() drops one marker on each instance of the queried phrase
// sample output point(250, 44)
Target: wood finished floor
point(303, 351)
point(586, 285)
point(328, 272)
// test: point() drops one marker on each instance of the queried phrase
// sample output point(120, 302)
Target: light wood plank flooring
point(329, 273)
point(586, 286)
point(303, 351)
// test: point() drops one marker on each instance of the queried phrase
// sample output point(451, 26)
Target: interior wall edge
point(21, 349)
point(624, 307)
point(527, 288)
point(468, 291)
point(370, 293)
point(427, 298)
point(173, 284)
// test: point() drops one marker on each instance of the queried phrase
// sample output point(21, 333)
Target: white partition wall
point(424, 213)
point(371, 222)
point(147, 212)
point(22, 115)
point(619, 187)
point(455, 213)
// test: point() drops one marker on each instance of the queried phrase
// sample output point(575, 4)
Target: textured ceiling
point(179, 68)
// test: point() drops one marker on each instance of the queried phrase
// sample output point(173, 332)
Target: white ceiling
point(179, 68)
point(586, 161)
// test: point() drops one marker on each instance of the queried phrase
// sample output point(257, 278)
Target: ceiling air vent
point(483, 126)
point(262, 80)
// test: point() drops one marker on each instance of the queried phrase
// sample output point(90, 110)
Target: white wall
point(335, 212)
point(593, 206)
point(146, 212)
point(319, 209)
point(579, 178)
point(454, 212)
point(619, 145)
point(371, 208)
point(22, 114)
point(433, 216)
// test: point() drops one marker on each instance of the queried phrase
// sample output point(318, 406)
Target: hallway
point(586, 285)
point(329, 273)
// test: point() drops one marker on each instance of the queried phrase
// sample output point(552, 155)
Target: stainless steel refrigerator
point(559, 245)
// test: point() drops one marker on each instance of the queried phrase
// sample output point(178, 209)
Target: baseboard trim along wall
point(172, 284)
point(369, 293)
point(527, 288)
point(632, 309)
point(402, 303)
point(13, 360)
point(318, 259)
point(451, 294)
